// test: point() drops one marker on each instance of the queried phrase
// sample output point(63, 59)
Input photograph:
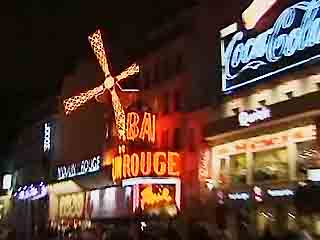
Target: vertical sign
point(47, 138)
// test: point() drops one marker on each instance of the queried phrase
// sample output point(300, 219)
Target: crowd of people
point(134, 231)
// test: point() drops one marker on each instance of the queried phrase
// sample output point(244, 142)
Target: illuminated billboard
point(155, 195)
point(293, 40)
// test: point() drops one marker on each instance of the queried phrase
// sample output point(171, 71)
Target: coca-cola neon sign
point(293, 40)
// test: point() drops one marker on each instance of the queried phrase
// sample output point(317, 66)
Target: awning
point(64, 187)
point(101, 179)
point(88, 182)
point(303, 107)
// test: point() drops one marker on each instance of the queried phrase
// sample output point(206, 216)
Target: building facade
point(266, 129)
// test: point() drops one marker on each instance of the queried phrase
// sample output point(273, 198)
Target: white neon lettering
point(47, 138)
point(239, 196)
point(280, 192)
point(246, 118)
point(291, 32)
point(85, 167)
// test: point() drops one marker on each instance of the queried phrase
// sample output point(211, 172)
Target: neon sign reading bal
point(293, 40)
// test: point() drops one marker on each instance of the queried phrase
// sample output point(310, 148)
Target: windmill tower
point(108, 86)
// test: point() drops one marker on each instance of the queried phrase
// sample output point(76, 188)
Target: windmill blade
point(119, 114)
point(133, 69)
point(71, 104)
point(97, 45)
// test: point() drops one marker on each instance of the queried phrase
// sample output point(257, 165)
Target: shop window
point(177, 139)
point(238, 169)
point(271, 165)
point(165, 139)
point(224, 171)
point(306, 152)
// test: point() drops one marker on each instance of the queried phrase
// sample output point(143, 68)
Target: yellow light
point(148, 197)
point(119, 114)
point(97, 45)
point(146, 164)
point(133, 69)
point(75, 102)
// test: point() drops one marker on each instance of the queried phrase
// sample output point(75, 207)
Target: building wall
point(167, 92)
point(82, 131)
point(273, 91)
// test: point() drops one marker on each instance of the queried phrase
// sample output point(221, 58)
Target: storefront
point(251, 210)
point(68, 195)
point(269, 154)
point(269, 116)
point(30, 206)
point(67, 208)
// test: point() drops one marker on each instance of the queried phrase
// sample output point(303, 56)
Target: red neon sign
point(141, 129)
point(145, 164)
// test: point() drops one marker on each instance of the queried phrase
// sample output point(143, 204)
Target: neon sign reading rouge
point(145, 164)
point(296, 29)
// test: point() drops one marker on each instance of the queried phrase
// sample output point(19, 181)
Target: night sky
point(41, 40)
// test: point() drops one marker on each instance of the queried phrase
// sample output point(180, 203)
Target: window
point(271, 165)
point(146, 80)
point(224, 170)
point(179, 63)
point(192, 140)
point(165, 103)
point(165, 70)
point(177, 101)
point(156, 74)
point(306, 154)
point(177, 141)
point(164, 139)
point(238, 169)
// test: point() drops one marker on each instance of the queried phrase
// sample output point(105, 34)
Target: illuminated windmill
point(71, 104)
